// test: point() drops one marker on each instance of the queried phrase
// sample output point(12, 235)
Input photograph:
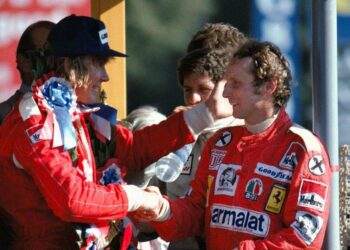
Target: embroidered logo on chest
point(227, 179)
point(276, 199)
point(273, 172)
point(240, 220)
point(224, 139)
point(216, 158)
point(253, 189)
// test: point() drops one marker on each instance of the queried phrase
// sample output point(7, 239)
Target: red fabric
point(232, 215)
point(49, 192)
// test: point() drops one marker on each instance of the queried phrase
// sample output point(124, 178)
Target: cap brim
point(116, 53)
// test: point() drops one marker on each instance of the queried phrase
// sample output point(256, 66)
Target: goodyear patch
point(276, 199)
point(273, 172)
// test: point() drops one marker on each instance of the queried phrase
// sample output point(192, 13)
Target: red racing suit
point(265, 191)
point(45, 188)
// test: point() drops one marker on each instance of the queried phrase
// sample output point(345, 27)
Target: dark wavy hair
point(269, 64)
point(211, 63)
point(216, 36)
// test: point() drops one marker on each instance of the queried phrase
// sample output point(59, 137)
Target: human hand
point(181, 108)
point(218, 105)
point(151, 204)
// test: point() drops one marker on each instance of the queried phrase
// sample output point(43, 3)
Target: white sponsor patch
point(316, 165)
point(227, 179)
point(290, 157)
point(312, 194)
point(34, 133)
point(187, 169)
point(28, 107)
point(273, 172)
point(307, 226)
point(216, 158)
point(224, 139)
point(103, 36)
point(240, 220)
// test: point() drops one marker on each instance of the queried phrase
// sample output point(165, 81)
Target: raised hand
point(217, 104)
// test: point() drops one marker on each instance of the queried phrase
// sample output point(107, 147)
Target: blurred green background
point(157, 35)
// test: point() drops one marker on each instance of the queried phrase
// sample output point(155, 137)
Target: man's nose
point(193, 98)
point(104, 75)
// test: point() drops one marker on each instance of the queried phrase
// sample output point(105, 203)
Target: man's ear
point(270, 87)
point(23, 63)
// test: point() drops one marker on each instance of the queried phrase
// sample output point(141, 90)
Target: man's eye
point(205, 90)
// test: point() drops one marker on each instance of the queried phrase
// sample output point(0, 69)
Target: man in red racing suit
point(265, 191)
point(264, 185)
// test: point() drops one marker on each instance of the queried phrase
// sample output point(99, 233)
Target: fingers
point(153, 189)
point(217, 104)
point(180, 108)
point(145, 215)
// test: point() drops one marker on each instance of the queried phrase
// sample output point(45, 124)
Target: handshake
point(147, 204)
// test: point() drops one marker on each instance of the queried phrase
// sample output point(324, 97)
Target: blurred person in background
point(138, 119)
point(31, 41)
point(205, 64)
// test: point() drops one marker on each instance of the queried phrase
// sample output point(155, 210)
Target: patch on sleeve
point(312, 194)
point(307, 226)
point(316, 165)
point(291, 156)
point(276, 199)
point(34, 132)
point(28, 107)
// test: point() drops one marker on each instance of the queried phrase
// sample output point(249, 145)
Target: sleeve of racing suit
point(66, 192)
point(140, 148)
point(305, 218)
point(187, 214)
